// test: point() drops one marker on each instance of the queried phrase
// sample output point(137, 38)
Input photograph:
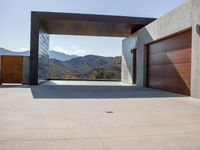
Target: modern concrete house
point(156, 53)
point(167, 52)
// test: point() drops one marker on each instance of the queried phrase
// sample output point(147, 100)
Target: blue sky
point(15, 22)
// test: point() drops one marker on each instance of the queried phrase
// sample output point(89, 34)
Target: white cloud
point(73, 50)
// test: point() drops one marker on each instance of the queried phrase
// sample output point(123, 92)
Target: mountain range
point(52, 54)
point(87, 67)
point(4, 51)
point(60, 56)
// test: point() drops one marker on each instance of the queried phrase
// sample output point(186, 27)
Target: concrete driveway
point(30, 120)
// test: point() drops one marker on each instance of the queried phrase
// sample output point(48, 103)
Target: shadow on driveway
point(96, 92)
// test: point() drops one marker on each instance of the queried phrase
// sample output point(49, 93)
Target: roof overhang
point(89, 24)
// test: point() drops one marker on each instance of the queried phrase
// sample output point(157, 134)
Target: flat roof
point(89, 24)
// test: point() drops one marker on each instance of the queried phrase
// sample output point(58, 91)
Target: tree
point(93, 75)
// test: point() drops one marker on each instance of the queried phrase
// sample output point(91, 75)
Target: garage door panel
point(178, 42)
point(183, 76)
point(170, 85)
point(169, 64)
point(157, 58)
point(178, 56)
point(156, 68)
point(170, 44)
point(170, 57)
point(157, 75)
point(153, 71)
point(157, 81)
point(157, 47)
point(171, 68)
point(178, 68)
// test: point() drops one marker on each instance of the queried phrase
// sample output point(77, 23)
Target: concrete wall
point(195, 89)
point(26, 65)
point(0, 70)
point(127, 60)
point(178, 20)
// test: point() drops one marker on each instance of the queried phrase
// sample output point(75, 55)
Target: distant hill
point(87, 67)
point(84, 65)
point(52, 54)
point(4, 51)
point(60, 56)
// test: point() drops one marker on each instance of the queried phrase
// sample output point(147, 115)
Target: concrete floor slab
point(161, 121)
point(94, 90)
point(87, 83)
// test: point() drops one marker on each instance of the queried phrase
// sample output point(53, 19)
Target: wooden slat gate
point(11, 69)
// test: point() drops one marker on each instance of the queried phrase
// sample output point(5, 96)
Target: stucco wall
point(178, 20)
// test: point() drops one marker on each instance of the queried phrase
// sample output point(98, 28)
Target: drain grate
point(109, 112)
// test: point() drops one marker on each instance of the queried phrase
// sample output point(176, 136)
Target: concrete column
point(195, 79)
point(39, 57)
point(34, 51)
point(26, 66)
point(0, 70)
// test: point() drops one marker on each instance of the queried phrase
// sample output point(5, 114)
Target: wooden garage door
point(169, 64)
point(11, 69)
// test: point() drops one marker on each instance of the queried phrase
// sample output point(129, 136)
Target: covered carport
point(45, 23)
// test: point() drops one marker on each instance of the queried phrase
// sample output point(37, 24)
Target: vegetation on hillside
point(88, 67)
